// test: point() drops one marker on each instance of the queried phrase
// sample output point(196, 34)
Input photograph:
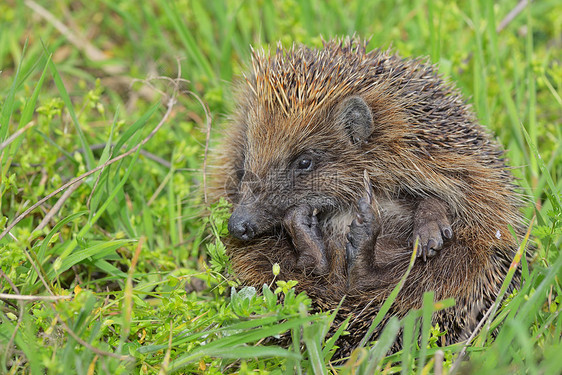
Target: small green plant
point(218, 221)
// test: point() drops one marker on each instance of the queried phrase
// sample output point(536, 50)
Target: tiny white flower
point(498, 234)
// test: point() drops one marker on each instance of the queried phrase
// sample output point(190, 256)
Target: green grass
point(130, 260)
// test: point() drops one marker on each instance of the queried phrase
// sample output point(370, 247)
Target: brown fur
point(424, 144)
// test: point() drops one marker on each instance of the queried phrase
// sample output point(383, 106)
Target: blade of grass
point(379, 350)
point(42, 251)
point(312, 338)
point(528, 310)
point(531, 86)
point(508, 278)
point(252, 352)
point(26, 115)
point(408, 338)
point(334, 337)
point(480, 68)
point(308, 16)
point(138, 124)
point(70, 360)
point(97, 251)
point(172, 217)
point(230, 342)
point(269, 17)
point(96, 178)
point(427, 311)
point(505, 90)
point(390, 300)
point(226, 45)
point(89, 156)
point(109, 269)
point(8, 105)
point(544, 170)
point(241, 326)
point(188, 40)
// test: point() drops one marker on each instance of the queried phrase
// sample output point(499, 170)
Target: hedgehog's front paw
point(302, 225)
point(363, 233)
point(431, 227)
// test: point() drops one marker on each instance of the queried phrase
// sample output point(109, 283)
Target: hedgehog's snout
point(242, 224)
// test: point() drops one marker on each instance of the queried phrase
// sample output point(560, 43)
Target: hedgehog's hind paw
point(431, 227)
point(302, 225)
point(363, 233)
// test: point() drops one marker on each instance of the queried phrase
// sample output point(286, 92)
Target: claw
point(358, 219)
point(313, 220)
point(368, 187)
point(431, 244)
point(448, 233)
point(350, 255)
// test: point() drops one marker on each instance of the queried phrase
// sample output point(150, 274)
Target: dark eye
point(240, 174)
point(304, 163)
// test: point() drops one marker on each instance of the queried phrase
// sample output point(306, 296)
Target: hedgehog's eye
point(240, 174)
point(304, 163)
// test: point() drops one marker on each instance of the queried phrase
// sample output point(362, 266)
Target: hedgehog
point(338, 160)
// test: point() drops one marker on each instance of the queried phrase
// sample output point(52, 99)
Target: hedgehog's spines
point(425, 143)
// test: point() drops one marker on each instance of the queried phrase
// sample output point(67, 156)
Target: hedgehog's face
point(293, 163)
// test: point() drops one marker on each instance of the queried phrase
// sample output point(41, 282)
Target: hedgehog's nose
point(241, 225)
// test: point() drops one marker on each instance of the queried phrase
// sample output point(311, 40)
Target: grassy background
point(139, 268)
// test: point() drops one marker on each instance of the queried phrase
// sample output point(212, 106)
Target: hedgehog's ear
point(354, 115)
